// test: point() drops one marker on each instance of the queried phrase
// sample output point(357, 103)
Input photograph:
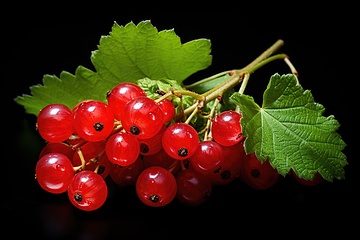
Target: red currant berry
point(226, 128)
point(168, 109)
point(55, 123)
point(122, 148)
point(54, 172)
point(87, 190)
point(121, 94)
point(126, 176)
point(156, 186)
point(180, 140)
point(93, 120)
point(144, 118)
point(193, 188)
point(258, 175)
point(207, 158)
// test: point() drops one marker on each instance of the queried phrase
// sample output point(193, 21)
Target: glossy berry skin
point(54, 172)
point(103, 166)
point(208, 157)
point(144, 117)
point(257, 175)
point(122, 149)
point(55, 123)
point(162, 159)
point(87, 190)
point(57, 148)
point(121, 94)
point(180, 140)
point(93, 120)
point(150, 146)
point(226, 128)
point(156, 186)
point(231, 166)
point(127, 176)
point(168, 109)
point(193, 188)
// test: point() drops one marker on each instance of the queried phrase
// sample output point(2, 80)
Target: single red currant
point(156, 186)
point(93, 120)
point(226, 128)
point(256, 174)
point(54, 172)
point(180, 140)
point(193, 188)
point(55, 123)
point(122, 148)
point(87, 190)
point(144, 118)
point(208, 157)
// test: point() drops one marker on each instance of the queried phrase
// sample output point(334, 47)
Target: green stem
point(195, 84)
point(237, 75)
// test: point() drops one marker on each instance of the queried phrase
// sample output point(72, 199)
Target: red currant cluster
point(136, 140)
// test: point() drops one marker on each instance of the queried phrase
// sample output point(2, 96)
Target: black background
point(319, 44)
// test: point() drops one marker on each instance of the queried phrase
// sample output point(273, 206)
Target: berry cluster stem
point(239, 75)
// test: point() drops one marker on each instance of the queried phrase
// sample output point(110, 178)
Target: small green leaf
point(129, 53)
point(291, 132)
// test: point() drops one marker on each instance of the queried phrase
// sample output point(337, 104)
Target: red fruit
point(54, 172)
point(180, 140)
point(156, 186)
point(207, 158)
point(193, 188)
point(122, 94)
point(87, 190)
point(93, 120)
point(231, 166)
point(122, 148)
point(144, 118)
point(226, 128)
point(258, 175)
point(168, 109)
point(55, 123)
point(126, 176)
point(314, 182)
point(57, 148)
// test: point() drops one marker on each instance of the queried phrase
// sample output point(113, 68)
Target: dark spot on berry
point(78, 197)
point(98, 126)
point(217, 170)
point(226, 174)
point(135, 130)
point(255, 173)
point(154, 198)
point(144, 148)
point(183, 152)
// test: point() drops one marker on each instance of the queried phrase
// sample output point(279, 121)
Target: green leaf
point(129, 53)
point(291, 132)
point(69, 89)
